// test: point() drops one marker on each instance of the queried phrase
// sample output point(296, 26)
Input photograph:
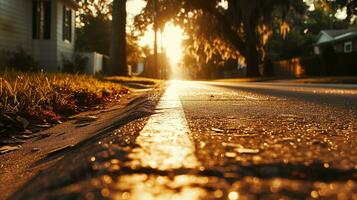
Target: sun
point(173, 37)
point(169, 41)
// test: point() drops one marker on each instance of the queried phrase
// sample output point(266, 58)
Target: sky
point(171, 38)
point(133, 7)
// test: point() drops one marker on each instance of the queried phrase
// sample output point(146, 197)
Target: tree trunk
point(252, 61)
point(118, 60)
point(252, 55)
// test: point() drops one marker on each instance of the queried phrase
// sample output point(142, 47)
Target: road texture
point(215, 140)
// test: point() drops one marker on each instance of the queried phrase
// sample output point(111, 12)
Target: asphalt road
point(220, 140)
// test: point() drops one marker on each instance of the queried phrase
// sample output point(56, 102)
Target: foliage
point(45, 97)
point(299, 40)
point(95, 29)
point(294, 44)
point(333, 6)
point(94, 35)
point(76, 64)
point(232, 31)
point(133, 50)
point(94, 26)
point(18, 60)
point(95, 8)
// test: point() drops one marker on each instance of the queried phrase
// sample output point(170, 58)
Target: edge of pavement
point(37, 154)
point(329, 79)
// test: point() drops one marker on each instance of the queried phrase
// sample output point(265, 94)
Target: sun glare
point(169, 41)
point(173, 37)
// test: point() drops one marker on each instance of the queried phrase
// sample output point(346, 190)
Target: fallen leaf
point(6, 149)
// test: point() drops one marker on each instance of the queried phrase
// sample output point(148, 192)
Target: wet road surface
point(214, 140)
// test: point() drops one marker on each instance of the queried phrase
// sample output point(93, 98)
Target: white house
point(340, 41)
point(43, 28)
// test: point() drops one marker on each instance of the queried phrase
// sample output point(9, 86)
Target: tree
point(118, 57)
point(307, 26)
point(240, 29)
point(94, 28)
point(93, 25)
point(93, 35)
point(320, 19)
point(332, 6)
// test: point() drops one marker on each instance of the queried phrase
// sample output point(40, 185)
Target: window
point(348, 47)
point(41, 19)
point(67, 24)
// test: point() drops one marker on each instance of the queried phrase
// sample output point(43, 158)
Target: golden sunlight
point(173, 37)
point(133, 8)
point(169, 41)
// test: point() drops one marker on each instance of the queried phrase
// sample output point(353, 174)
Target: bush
point(77, 64)
point(18, 60)
point(2, 60)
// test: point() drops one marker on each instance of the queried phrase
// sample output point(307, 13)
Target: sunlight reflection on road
point(164, 145)
point(142, 186)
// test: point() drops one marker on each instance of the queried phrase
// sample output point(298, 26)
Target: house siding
point(15, 24)
point(16, 31)
point(339, 47)
point(65, 49)
point(45, 51)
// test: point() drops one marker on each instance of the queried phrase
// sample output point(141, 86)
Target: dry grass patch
point(50, 97)
point(133, 80)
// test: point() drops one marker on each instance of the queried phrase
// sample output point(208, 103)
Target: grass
point(135, 80)
point(50, 97)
